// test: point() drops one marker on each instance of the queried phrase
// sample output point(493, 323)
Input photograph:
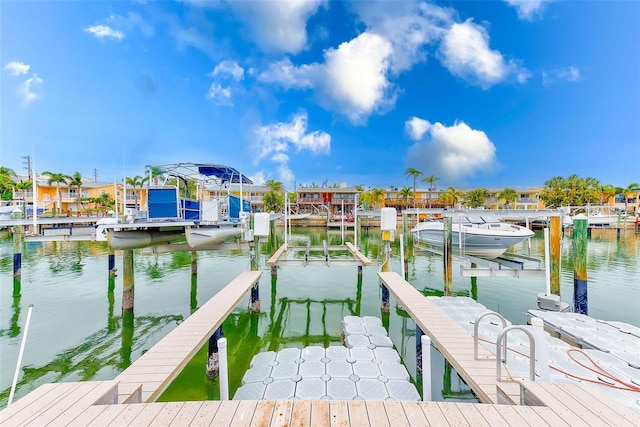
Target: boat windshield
point(475, 219)
point(490, 220)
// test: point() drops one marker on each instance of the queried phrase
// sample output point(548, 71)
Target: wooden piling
point(474, 284)
point(448, 257)
point(17, 251)
point(194, 263)
point(111, 264)
point(213, 361)
point(555, 236)
point(254, 302)
point(419, 350)
point(127, 280)
point(580, 300)
point(386, 253)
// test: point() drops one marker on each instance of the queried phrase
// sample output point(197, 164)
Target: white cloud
point(452, 152)
point(569, 74)
point(16, 68)
point(416, 127)
point(352, 80)
point(465, 52)
point(28, 89)
point(274, 141)
point(104, 31)
point(228, 69)
point(528, 9)
point(258, 178)
point(226, 75)
point(277, 26)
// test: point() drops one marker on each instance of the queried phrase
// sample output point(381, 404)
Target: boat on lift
point(479, 236)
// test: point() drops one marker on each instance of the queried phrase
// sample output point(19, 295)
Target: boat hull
point(489, 243)
point(136, 239)
point(203, 237)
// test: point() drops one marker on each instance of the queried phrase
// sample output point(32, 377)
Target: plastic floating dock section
point(609, 349)
point(368, 368)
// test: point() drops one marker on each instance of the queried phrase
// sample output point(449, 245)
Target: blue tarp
point(225, 173)
point(234, 206)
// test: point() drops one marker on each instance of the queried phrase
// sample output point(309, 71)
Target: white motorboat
point(483, 237)
point(597, 216)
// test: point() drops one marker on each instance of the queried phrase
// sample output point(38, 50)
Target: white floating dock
point(367, 369)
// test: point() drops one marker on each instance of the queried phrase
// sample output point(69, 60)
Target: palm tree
point(57, 178)
point(606, 191)
point(509, 195)
point(377, 197)
point(431, 179)
point(76, 181)
point(415, 174)
point(451, 197)
point(6, 183)
point(136, 181)
point(631, 188)
point(273, 199)
point(404, 194)
point(154, 173)
point(476, 197)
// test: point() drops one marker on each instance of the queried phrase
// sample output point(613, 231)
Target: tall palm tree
point(404, 193)
point(6, 182)
point(273, 199)
point(377, 197)
point(76, 181)
point(58, 178)
point(606, 191)
point(431, 179)
point(415, 174)
point(136, 181)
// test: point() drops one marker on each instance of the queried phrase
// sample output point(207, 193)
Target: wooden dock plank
point(186, 414)
point(225, 413)
point(168, 413)
point(434, 414)
point(395, 414)
point(263, 414)
point(358, 416)
point(206, 414)
point(301, 413)
point(602, 404)
point(414, 413)
point(181, 344)
point(453, 342)
point(339, 413)
point(488, 412)
point(86, 417)
point(361, 257)
point(276, 256)
point(513, 417)
point(453, 415)
point(571, 415)
point(124, 417)
point(282, 413)
point(319, 413)
point(26, 406)
point(377, 413)
point(105, 417)
point(244, 413)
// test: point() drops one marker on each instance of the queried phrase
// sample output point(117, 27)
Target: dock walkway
point(152, 373)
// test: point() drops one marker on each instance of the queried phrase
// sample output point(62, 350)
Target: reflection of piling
point(17, 251)
point(112, 262)
point(474, 283)
point(194, 263)
point(555, 236)
point(385, 306)
point(127, 280)
point(448, 257)
point(580, 266)
point(419, 349)
point(213, 360)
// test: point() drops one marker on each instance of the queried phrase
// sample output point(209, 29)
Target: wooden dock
point(129, 399)
point(281, 256)
point(152, 373)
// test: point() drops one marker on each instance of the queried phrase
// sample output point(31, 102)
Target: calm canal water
point(77, 331)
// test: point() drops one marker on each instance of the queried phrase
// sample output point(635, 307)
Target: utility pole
point(27, 164)
point(95, 175)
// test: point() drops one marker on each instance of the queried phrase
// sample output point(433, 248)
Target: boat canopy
point(206, 173)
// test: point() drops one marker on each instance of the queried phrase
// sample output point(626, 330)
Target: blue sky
point(477, 93)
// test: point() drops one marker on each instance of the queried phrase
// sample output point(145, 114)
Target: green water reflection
point(79, 330)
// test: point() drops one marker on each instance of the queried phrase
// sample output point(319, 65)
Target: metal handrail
point(532, 351)
point(475, 330)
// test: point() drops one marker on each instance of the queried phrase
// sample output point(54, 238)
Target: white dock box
point(261, 224)
point(388, 218)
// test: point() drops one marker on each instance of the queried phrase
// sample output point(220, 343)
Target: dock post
point(17, 251)
point(360, 270)
point(426, 368)
point(254, 253)
point(448, 256)
point(474, 284)
point(127, 280)
point(111, 264)
point(580, 300)
point(419, 335)
point(194, 263)
point(555, 236)
point(213, 364)
point(224, 372)
point(385, 305)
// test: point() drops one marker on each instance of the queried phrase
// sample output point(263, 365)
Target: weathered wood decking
point(155, 369)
